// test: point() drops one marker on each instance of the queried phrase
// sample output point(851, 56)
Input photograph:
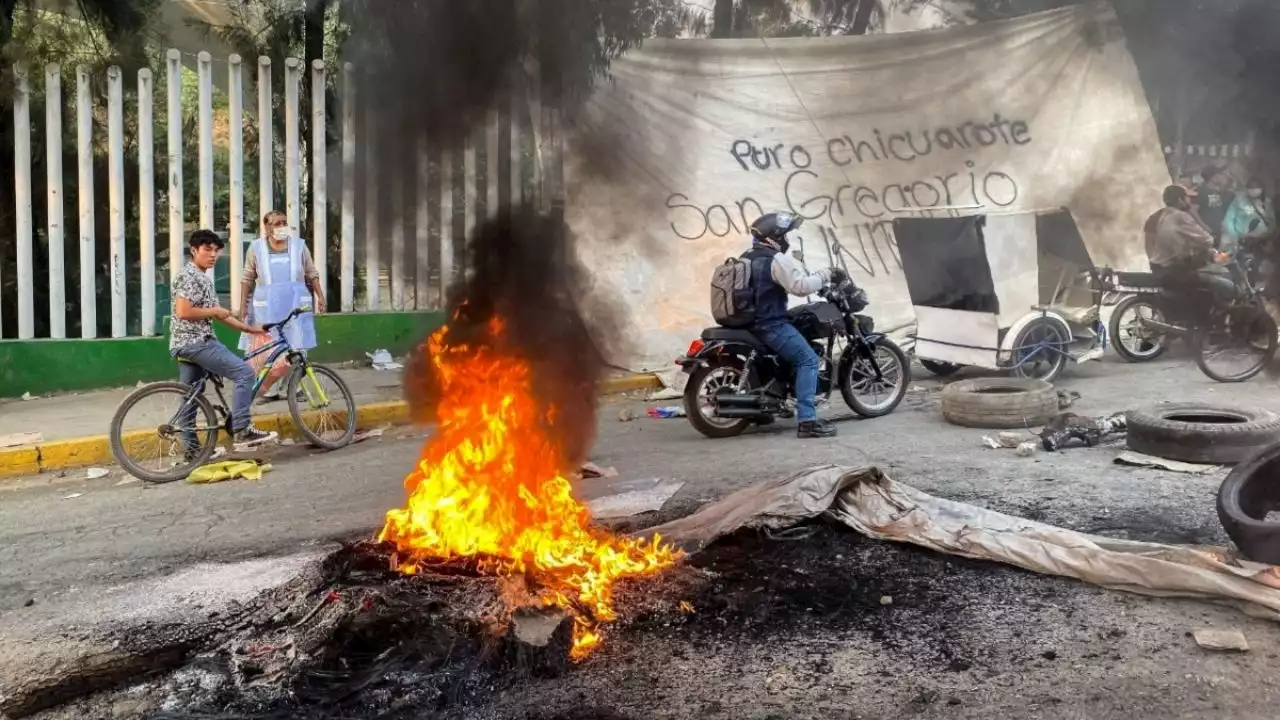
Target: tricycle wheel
point(940, 369)
point(1040, 351)
point(704, 384)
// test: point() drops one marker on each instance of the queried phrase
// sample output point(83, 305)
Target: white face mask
point(1255, 193)
point(280, 233)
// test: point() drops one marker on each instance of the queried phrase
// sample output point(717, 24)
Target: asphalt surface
point(62, 533)
point(64, 541)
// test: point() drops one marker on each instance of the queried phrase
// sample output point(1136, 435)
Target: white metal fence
point(413, 278)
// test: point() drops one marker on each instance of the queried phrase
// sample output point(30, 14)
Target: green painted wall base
point(44, 366)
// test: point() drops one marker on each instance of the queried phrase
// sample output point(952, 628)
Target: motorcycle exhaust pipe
point(738, 401)
point(739, 412)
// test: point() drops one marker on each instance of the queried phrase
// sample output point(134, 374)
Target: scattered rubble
point(1224, 640)
point(1065, 427)
point(1134, 459)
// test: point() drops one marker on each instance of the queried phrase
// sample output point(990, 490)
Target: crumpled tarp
point(870, 502)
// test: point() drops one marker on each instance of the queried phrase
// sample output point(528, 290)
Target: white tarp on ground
point(691, 140)
point(874, 505)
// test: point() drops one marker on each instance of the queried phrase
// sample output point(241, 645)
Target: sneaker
point(815, 429)
point(253, 436)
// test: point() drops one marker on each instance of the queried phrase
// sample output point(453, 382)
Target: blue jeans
point(784, 339)
point(213, 357)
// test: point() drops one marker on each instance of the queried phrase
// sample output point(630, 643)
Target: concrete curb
point(96, 450)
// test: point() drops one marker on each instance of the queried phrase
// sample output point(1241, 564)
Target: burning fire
point(490, 487)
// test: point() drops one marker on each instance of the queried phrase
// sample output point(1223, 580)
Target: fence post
point(265, 140)
point(204, 74)
point(292, 158)
point(84, 193)
point(57, 219)
point(146, 202)
point(446, 224)
point(235, 90)
point(319, 176)
point(372, 262)
point(397, 242)
point(115, 201)
point(348, 248)
point(176, 254)
point(22, 196)
point(422, 250)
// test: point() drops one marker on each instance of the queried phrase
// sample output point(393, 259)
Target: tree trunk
point(862, 18)
point(722, 19)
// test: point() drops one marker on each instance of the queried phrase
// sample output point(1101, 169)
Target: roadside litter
point(1066, 427)
point(663, 413)
point(382, 360)
point(94, 473)
point(228, 470)
point(1134, 459)
point(591, 471)
point(649, 496)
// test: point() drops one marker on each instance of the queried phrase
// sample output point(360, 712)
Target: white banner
point(691, 140)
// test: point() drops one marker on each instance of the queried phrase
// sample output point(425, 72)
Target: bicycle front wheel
point(322, 406)
point(162, 431)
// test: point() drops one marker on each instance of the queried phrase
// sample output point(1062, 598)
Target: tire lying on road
point(1198, 433)
point(999, 403)
point(1248, 494)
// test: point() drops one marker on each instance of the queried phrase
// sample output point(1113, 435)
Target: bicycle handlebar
point(287, 318)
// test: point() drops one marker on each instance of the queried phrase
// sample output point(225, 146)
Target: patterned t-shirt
point(196, 286)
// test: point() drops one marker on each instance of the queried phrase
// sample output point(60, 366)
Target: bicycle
point(191, 432)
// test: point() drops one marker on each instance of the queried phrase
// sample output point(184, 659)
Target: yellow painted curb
point(96, 450)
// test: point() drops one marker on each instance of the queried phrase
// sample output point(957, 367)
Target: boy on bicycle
point(195, 307)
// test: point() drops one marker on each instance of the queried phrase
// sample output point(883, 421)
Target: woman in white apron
point(279, 275)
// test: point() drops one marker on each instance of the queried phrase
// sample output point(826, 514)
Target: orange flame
point(490, 487)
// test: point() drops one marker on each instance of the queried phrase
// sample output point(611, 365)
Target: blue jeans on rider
point(784, 339)
point(213, 357)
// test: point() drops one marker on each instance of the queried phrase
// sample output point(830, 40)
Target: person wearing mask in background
point(279, 276)
point(1187, 180)
point(1215, 196)
point(1251, 216)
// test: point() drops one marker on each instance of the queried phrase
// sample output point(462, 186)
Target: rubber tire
point(295, 376)
point(1149, 432)
point(971, 403)
point(1060, 361)
point(117, 430)
point(1113, 330)
point(864, 411)
point(941, 369)
point(1270, 355)
point(1243, 502)
point(696, 419)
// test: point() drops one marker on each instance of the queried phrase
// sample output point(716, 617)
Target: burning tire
point(1192, 432)
point(1245, 499)
point(999, 403)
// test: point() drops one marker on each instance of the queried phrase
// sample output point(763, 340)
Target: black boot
point(818, 428)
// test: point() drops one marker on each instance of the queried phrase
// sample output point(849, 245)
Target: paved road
point(51, 542)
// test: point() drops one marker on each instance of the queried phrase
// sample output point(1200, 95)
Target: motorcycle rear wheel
point(703, 384)
point(1149, 345)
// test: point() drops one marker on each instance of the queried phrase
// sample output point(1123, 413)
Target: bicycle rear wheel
point(151, 447)
point(326, 412)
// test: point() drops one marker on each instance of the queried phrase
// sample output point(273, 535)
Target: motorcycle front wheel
point(704, 384)
point(858, 378)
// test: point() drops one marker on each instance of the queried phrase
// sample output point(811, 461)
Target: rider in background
point(191, 338)
point(1180, 250)
point(774, 275)
point(1251, 216)
point(1215, 197)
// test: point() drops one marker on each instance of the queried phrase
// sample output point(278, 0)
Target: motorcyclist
point(774, 275)
point(1180, 250)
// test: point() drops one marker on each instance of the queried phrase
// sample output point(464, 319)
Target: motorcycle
point(735, 380)
point(1145, 323)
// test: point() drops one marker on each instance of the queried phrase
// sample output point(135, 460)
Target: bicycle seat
point(198, 372)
